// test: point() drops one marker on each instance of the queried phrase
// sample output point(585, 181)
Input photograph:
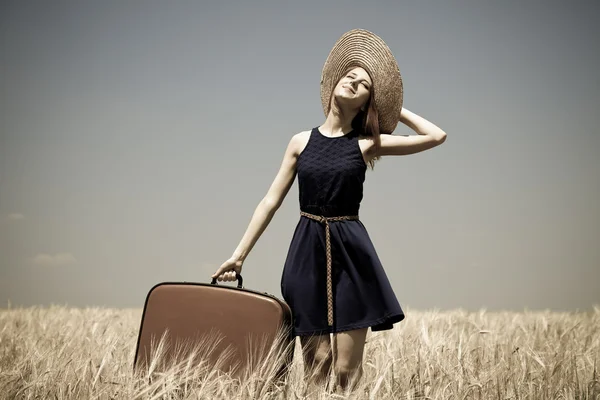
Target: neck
point(338, 123)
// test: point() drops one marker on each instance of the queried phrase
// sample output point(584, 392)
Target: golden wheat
point(69, 353)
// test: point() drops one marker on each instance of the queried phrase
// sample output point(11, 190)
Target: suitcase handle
point(238, 277)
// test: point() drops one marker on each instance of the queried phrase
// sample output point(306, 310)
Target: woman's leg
point(317, 354)
point(348, 353)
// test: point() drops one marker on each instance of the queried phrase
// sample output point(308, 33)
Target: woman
point(332, 278)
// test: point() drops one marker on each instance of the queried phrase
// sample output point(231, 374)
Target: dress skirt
point(362, 294)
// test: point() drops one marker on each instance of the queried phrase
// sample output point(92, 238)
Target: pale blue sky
point(137, 138)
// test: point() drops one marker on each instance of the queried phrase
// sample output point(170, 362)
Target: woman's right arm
point(264, 211)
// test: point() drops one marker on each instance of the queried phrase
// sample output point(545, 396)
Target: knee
point(343, 368)
point(322, 357)
point(346, 371)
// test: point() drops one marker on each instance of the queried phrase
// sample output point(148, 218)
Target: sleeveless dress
point(331, 172)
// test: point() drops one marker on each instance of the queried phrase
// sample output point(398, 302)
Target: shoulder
point(299, 141)
point(367, 146)
point(302, 136)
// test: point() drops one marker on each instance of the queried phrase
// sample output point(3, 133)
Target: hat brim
point(361, 48)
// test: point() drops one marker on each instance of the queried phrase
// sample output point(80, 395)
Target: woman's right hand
point(227, 270)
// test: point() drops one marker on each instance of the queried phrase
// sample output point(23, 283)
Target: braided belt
point(326, 220)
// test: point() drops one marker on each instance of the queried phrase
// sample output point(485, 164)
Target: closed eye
point(364, 82)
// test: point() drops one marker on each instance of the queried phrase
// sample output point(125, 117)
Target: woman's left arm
point(428, 136)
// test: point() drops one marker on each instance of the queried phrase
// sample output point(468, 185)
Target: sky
point(138, 137)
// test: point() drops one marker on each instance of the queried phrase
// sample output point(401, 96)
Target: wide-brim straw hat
point(361, 48)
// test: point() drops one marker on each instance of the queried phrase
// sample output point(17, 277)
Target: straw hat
point(361, 48)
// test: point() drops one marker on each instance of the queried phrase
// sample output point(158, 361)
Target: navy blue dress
point(331, 172)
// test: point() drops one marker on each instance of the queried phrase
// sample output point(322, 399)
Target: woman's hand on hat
point(227, 271)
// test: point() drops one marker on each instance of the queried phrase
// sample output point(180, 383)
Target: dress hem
point(388, 319)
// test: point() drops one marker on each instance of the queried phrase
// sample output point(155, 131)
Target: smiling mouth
point(349, 88)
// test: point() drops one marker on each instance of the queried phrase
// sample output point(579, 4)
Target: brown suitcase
point(234, 328)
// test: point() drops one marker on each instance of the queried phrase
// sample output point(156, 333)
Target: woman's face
point(354, 88)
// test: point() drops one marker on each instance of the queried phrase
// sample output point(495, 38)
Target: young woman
point(332, 278)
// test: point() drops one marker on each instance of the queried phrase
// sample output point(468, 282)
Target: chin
point(344, 95)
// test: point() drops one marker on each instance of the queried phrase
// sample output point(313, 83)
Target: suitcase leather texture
point(245, 322)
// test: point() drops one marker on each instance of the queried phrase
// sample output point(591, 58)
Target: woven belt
point(326, 220)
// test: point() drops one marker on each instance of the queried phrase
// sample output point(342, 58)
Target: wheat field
point(70, 353)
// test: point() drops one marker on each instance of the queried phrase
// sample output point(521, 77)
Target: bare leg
point(348, 353)
point(317, 354)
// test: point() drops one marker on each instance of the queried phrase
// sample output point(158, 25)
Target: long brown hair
point(367, 122)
